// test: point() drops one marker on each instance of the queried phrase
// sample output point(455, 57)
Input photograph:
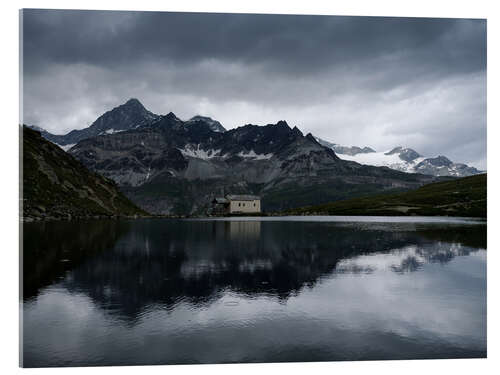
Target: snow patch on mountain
point(384, 159)
point(195, 151)
point(111, 131)
point(67, 147)
point(199, 153)
point(402, 159)
point(251, 154)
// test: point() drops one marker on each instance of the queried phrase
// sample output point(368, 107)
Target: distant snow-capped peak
point(393, 160)
point(402, 159)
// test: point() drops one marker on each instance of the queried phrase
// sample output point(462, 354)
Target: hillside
point(460, 197)
point(57, 186)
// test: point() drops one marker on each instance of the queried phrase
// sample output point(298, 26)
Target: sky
point(364, 81)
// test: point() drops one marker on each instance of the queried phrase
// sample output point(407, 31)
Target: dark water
point(168, 292)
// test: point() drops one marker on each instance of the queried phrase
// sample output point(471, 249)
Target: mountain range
point(127, 116)
point(169, 166)
point(132, 114)
point(402, 159)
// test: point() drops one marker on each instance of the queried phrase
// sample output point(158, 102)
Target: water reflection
point(135, 270)
point(51, 249)
point(241, 230)
point(134, 264)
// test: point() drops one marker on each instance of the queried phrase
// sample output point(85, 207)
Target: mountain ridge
point(132, 114)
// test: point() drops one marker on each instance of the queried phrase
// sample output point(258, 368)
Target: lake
point(161, 291)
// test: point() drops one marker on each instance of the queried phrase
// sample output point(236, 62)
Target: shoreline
point(273, 217)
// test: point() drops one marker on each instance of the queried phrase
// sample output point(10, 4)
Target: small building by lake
point(236, 204)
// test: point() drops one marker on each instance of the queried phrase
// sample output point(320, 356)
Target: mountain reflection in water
point(132, 269)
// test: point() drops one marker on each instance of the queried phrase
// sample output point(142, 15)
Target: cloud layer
point(373, 81)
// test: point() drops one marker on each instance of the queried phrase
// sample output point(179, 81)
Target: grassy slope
point(460, 197)
point(55, 185)
point(293, 195)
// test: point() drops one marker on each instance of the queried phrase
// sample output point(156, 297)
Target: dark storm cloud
point(303, 42)
point(390, 79)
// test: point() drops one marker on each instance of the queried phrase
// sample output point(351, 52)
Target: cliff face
point(57, 186)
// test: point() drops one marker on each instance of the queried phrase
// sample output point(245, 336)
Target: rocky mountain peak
point(282, 123)
point(311, 138)
point(440, 161)
point(124, 117)
point(395, 150)
point(171, 116)
point(405, 154)
point(127, 116)
point(133, 103)
point(200, 118)
point(214, 125)
point(297, 131)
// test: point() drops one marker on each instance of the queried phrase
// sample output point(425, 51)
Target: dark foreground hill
point(57, 186)
point(461, 197)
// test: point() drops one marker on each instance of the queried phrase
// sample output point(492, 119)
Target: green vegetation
point(459, 197)
point(293, 195)
point(57, 186)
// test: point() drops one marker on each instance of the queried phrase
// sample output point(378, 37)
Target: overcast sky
point(366, 81)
